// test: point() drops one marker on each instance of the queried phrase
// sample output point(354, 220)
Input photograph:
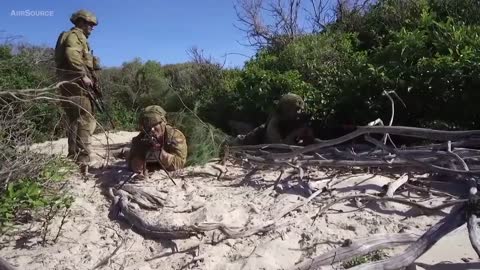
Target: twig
point(67, 211)
point(105, 260)
point(168, 253)
point(425, 209)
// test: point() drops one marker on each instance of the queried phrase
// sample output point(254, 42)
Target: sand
point(88, 236)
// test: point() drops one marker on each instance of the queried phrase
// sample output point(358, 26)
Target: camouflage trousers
point(80, 125)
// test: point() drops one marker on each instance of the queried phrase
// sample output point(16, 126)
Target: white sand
point(88, 236)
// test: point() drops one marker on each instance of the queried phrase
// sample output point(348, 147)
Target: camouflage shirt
point(172, 156)
point(72, 54)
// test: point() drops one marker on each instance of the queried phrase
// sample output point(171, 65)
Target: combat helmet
point(291, 101)
point(151, 116)
point(84, 14)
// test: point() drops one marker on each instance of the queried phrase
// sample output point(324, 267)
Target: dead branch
point(358, 247)
point(168, 253)
point(320, 15)
point(420, 133)
point(105, 260)
point(4, 265)
point(454, 220)
point(298, 205)
point(424, 209)
point(282, 15)
point(474, 232)
point(429, 191)
point(161, 231)
point(392, 187)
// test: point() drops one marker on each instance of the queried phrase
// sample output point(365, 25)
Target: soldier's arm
point(176, 158)
point(137, 155)
point(300, 136)
point(74, 54)
point(272, 132)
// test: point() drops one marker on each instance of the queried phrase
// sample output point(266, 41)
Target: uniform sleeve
point(137, 156)
point(74, 49)
point(253, 137)
point(176, 157)
point(273, 132)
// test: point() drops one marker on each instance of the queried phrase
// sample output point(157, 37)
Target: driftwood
point(4, 265)
point(424, 209)
point(358, 247)
point(415, 250)
point(449, 157)
point(122, 207)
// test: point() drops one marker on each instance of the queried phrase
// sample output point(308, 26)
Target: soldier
point(76, 64)
point(157, 145)
point(286, 125)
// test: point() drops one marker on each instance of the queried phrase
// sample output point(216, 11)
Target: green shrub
point(23, 197)
point(203, 140)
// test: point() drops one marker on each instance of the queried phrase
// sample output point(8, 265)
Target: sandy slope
point(89, 236)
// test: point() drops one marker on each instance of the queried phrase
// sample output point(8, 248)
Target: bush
point(203, 140)
point(23, 197)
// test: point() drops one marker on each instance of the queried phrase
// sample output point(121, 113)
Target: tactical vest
point(60, 57)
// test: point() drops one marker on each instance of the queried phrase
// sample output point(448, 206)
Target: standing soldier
point(76, 64)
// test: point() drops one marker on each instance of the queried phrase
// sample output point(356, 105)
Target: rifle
point(151, 140)
point(96, 96)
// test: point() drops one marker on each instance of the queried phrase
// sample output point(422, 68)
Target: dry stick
point(420, 163)
point(474, 232)
point(160, 231)
point(41, 90)
point(4, 265)
point(392, 187)
point(428, 190)
point(421, 133)
point(359, 247)
point(168, 253)
point(425, 209)
point(454, 220)
point(472, 223)
point(67, 211)
point(297, 205)
point(61, 99)
point(105, 260)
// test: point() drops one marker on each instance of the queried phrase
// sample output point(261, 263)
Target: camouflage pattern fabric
point(172, 156)
point(73, 59)
point(284, 126)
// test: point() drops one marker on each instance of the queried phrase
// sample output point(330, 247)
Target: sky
point(151, 30)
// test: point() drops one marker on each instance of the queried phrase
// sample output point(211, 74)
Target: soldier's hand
point(87, 81)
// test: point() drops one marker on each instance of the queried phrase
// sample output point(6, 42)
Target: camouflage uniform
point(284, 126)
point(73, 62)
point(168, 152)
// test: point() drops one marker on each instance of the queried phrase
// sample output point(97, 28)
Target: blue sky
point(152, 30)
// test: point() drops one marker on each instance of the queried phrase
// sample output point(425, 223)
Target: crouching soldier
point(286, 125)
point(158, 145)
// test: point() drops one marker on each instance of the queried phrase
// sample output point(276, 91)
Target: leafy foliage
point(24, 196)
